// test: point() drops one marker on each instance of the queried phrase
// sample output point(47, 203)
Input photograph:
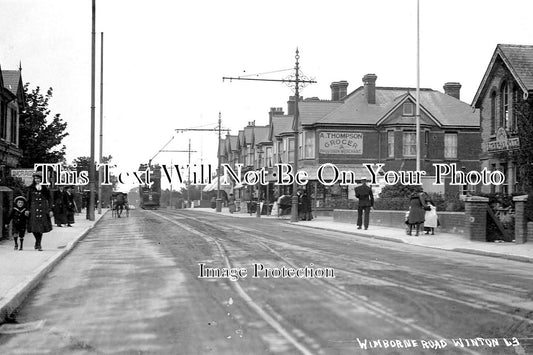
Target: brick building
point(507, 82)
point(369, 125)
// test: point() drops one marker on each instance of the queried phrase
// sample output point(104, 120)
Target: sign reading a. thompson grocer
point(341, 143)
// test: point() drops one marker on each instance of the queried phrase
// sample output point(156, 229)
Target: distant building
point(11, 105)
point(507, 82)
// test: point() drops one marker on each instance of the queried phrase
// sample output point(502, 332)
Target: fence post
point(520, 223)
point(476, 218)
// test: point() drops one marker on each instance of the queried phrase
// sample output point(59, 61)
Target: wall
point(450, 222)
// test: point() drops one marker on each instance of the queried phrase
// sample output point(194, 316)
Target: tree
point(83, 163)
point(40, 140)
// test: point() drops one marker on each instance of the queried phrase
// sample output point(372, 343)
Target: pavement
point(21, 271)
point(444, 241)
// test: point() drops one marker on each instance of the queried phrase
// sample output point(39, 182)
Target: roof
point(281, 124)
point(261, 134)
point(313, 110)
point(518, 59)
point(12, 79)
point(249, 134)
point(444, 109)
point(231, 142)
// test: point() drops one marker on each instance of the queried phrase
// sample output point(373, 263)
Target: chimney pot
point(453, 89)
point(339, 89)
point(369, 81)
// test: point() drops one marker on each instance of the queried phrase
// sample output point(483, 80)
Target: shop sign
point(341, 143)
point(25, 174)
point(503, 142)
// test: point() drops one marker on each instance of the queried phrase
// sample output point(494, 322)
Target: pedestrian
point(417, 206)
point(231, 203)
point(70, 205)
point(39, 210)
point(18, 216)
point(366, 202)
point(306, 207)
point(60, 213)
point(431, 218)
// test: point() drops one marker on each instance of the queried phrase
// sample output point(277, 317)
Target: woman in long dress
point(417, 212)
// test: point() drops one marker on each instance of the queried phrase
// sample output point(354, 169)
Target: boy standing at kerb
point(17, 215)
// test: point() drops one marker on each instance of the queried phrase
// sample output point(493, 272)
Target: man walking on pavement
point(366, 201)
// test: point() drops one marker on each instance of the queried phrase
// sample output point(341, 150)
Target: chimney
point(275, 111)
point(339, 89)
point(369, 81)
point(453, 89)
point(290, 104)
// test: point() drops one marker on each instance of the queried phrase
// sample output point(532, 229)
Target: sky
point(164, 60)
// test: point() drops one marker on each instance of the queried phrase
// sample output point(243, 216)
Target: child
point(18, 216)
point(431, 219)
point(407, 225)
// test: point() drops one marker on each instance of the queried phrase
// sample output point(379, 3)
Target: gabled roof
point(445, 110)
point(261, 134)
point(518, 59)
point(281, 125)
point(240, 139)
point(249, 134)
point(231, 143)
point(12, 80)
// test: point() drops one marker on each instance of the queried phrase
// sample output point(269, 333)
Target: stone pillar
point(476, 218)
point(520, 223)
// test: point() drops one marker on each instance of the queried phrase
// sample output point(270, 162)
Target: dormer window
point(408, 109)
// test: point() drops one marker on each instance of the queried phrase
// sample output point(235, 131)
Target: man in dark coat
point(39, 210)
point(366, 201)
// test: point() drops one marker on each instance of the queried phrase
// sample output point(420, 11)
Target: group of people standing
point(34, 212)
point(422, 211)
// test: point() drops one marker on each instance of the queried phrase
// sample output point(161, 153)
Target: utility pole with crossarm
point(295, 124)
point(219, 129)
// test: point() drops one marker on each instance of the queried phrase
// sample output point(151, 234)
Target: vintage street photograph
point(281, 177)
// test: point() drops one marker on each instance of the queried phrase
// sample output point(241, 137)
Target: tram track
point(331, 288)
point(437, 293)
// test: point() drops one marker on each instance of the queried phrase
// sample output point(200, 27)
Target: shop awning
point(214, 185)
point(357, 171)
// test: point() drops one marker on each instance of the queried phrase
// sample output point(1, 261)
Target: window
point(493, 113)
point(450, 145)
point(250, 155)
point(390, 144)
point(300, 145)
point(268, 157)
point(409, 144)
point(290, 150)
point(310, 145)
point(408, 109)
point(13, 138)
point(280, 152)
point(514, 116)
point(2, 120)
point(504, 117)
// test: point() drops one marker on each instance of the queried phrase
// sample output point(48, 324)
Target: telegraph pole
point(90, 207)
point(101, 121)
point(219, 129)
point(295, 124)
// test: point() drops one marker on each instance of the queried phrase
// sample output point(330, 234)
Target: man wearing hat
point(18, 216)
point(366, 201)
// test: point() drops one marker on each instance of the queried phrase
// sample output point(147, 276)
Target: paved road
point(132, 286)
